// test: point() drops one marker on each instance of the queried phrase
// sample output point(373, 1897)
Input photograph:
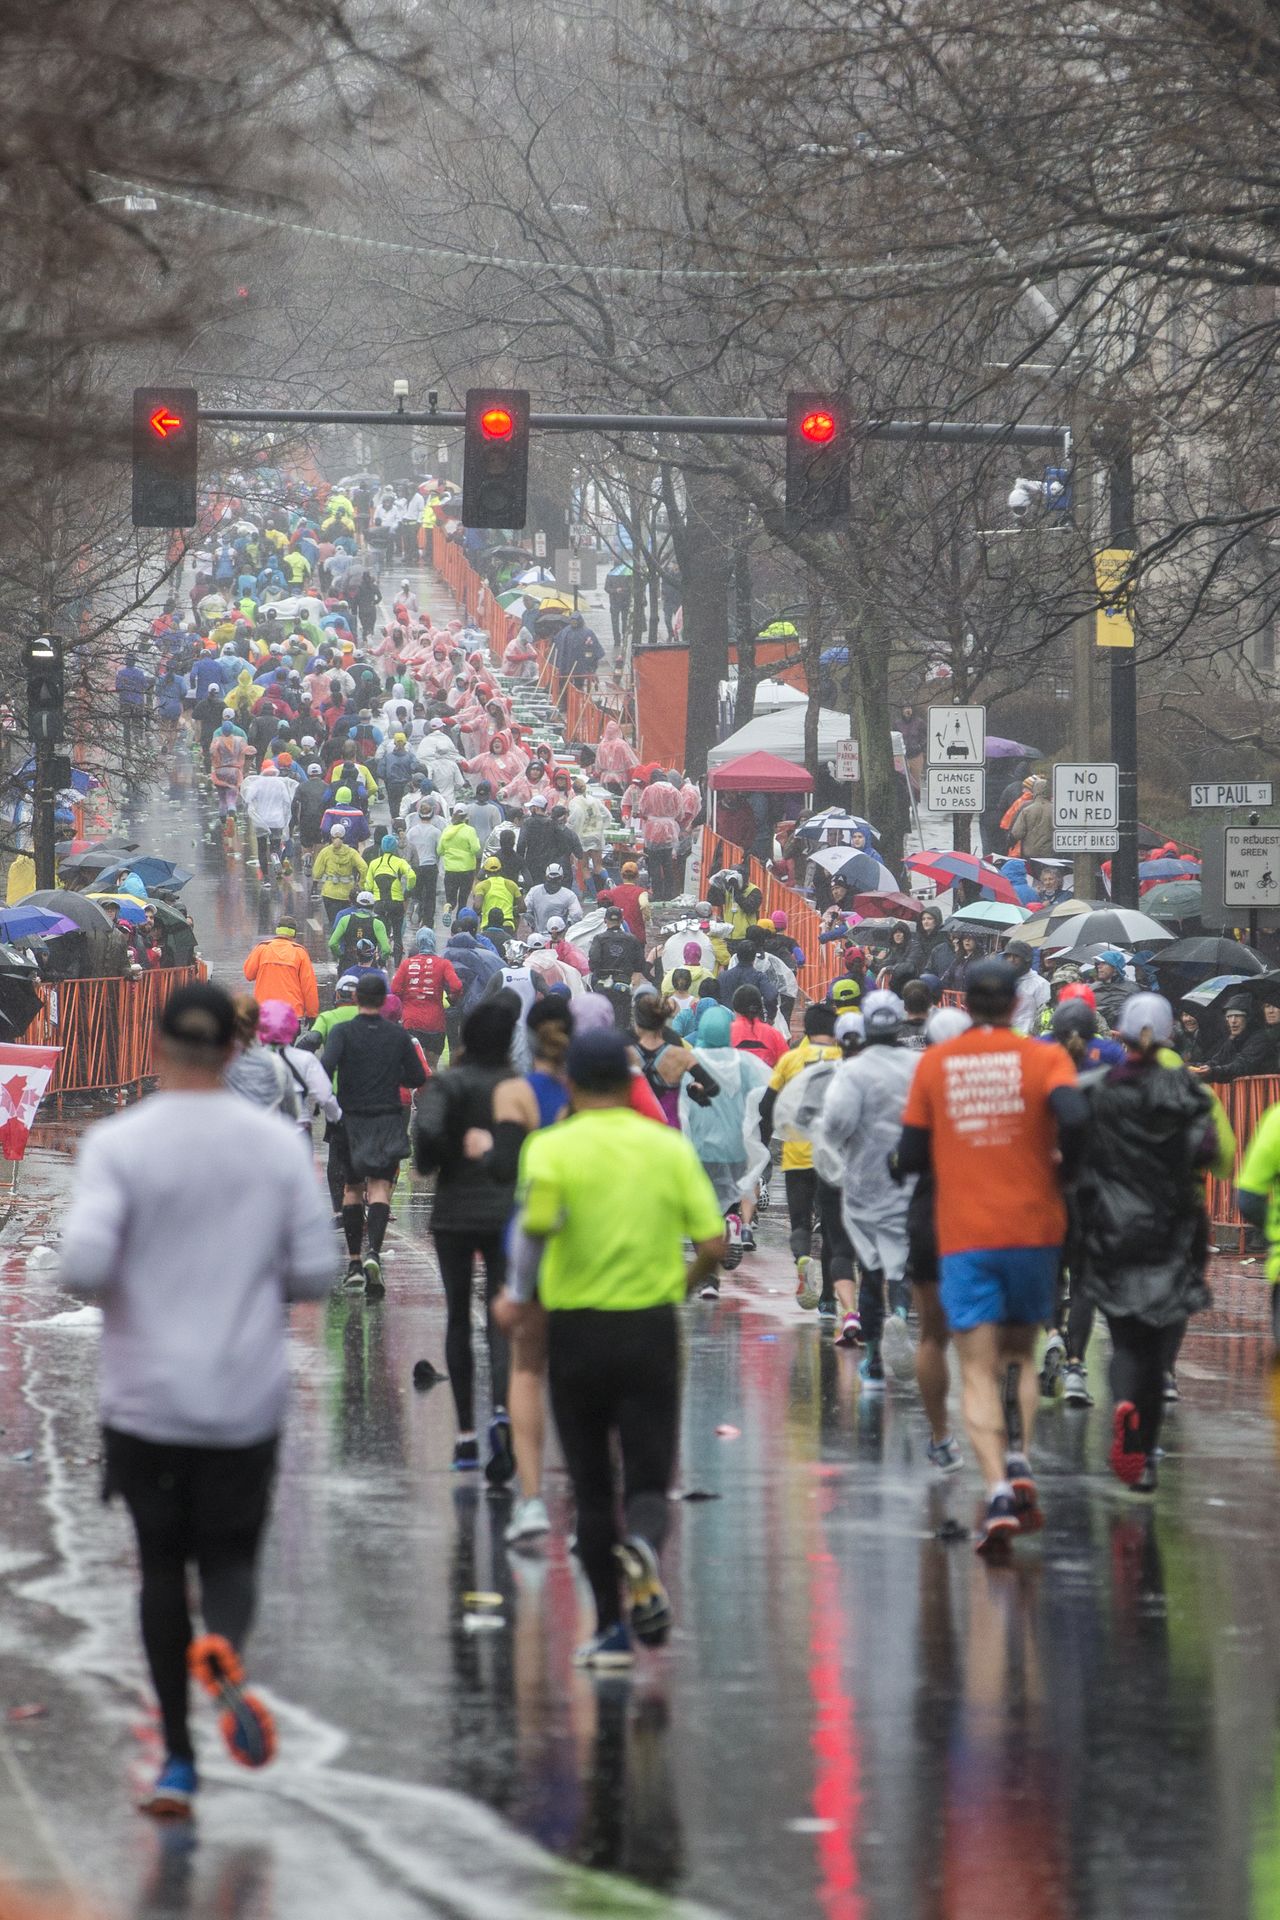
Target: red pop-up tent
point(761, 773)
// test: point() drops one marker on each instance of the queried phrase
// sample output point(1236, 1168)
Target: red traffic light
point(163, 423)
point(818, 426)
point(497, 423)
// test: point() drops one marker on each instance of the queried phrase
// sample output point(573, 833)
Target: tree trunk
point(883, 787)
point(703, 538)
point(744, 632)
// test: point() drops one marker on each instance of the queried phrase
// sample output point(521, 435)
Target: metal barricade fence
point(105, 1028)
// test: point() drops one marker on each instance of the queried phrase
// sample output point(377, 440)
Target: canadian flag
point(25, 1073)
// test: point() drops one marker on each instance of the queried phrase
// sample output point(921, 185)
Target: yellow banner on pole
point(1113, 627)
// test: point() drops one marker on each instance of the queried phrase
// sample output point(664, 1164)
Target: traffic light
point(165, 456)
point(45, 687)
point(495, 461)
point(819, 445)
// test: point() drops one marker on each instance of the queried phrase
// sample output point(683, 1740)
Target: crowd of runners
point(485, 976)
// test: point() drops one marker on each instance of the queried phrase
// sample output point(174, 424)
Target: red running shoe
point(1128, 1461)
point(247, 1726)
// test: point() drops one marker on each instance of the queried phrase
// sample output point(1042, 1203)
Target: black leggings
point(207, 1504)
point(1140, 1358)
point(456, 1248)
point(838, 1262)
point(871, 1305)
point(616, 1373)
point(457, 887)
point(801, 1184)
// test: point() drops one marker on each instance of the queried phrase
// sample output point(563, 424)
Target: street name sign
point(957, 736)
point(1231, 793)
point(1086, 807)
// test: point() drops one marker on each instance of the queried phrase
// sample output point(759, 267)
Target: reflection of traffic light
point(819, 444)
point(45, 687)
point(165, 456)
point(495, 460)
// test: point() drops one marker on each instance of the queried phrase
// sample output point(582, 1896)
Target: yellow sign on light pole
point(1112, 625)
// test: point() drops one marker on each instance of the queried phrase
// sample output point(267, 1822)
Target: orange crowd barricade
point(472, 592)
point(105, 1028)
point(821, 963)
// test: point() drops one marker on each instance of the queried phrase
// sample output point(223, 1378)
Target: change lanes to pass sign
point(1086, 807)
point(1231, 793)
point(1251, 868)
point(955, 789)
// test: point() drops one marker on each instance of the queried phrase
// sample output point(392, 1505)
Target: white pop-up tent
point(782, 734)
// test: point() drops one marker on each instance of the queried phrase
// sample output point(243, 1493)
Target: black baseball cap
point(200, 1015)
point(598, 1063)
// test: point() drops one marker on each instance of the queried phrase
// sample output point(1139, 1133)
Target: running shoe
point(733, 1252)
point(1051, 1365)
point(1026, 1500)
point(1000, 1525)
point(1127, 1458)
point(529, 1522)
point(764, 1199)
point(354, 1280)
point(650, 1604)
point(247, 1727)
point(807, 1293)
point(466, 1456)
point(709, 1290)
point(945, 1455)
point(1075, 1386)
point(871, 1373)
point(500, 1467)
point(897, 1349)
point(173, 1793)
point(850, 1334)
point(446, 919)
point(1147, 1481)
point(372, 1270)
point(748, 1239)
point(608, 1652)
point(1171, 1386)
point(827, 1308)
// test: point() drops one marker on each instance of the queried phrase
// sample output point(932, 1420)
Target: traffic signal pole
point(955, 433)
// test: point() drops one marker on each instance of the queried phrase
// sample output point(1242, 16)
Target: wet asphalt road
point(853, 1719)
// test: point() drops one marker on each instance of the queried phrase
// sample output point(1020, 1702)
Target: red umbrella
point(873, 904)
point(946, 867)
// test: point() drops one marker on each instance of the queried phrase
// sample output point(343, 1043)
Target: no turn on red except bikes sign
point(1086, 807)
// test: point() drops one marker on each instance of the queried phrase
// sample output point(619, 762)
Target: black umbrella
point(1211, 955)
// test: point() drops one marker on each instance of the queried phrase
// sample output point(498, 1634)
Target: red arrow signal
point(163, 423)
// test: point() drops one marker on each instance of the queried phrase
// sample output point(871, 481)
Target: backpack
point(383, 883)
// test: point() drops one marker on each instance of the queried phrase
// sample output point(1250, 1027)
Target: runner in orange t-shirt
point(994, 1115)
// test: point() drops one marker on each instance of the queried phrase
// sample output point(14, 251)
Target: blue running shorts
point(999, 1286)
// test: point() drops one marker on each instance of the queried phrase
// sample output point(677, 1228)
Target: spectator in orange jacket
point(281, 969)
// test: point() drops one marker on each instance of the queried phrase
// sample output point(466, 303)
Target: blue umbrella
point(22, 922)
point(152, 871)
point(82, 782)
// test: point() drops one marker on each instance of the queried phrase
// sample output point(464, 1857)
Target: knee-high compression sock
point(379, 1215)
point(353, 1227)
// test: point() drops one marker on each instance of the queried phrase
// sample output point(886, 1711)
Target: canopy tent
point(782, 735)
point(761, 772)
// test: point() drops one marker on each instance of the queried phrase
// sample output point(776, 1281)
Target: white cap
point(555, 924)
point(849, 1023)
point(337, 832)
point(1146, 1013)
point(946, 1023)
point(315, 768)
point(537, 800)
point(364, 899)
